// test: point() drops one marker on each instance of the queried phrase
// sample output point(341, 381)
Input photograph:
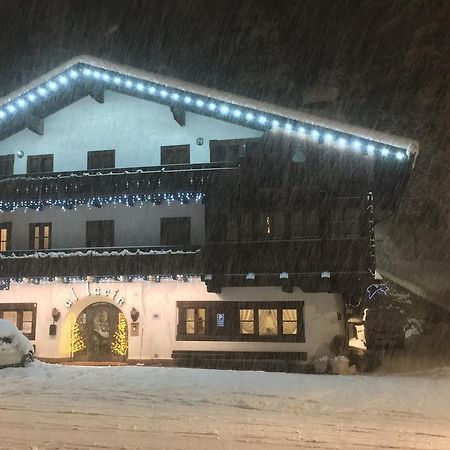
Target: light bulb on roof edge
point(328, 137)
point(224, 109)
point(249, 116)
point(11, 108)
point(400, 155)
point(96, 74)
point(199, 103)
point(212, 106)
point(342, 142)
point(73, 74)
point(2, 114)
point(128, 83)
point(175, 96)
point(385, 151)
point(106, 77)
point(237, 113)
point(22, 103)
point(262, 120)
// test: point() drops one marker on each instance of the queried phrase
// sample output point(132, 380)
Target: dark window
point(175, 154)
point(40, 236)
point(40, 163)
point(101, 159)
point(223, 151)
point(5, 236)
point(22, 315)
point(176, 231)
point(6, 165)
point(100, 233)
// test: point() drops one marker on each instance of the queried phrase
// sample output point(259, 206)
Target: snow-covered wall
point(157, 304)
point(135, 128)
point(69, 227)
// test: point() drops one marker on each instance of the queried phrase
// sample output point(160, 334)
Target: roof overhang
point(101, 74)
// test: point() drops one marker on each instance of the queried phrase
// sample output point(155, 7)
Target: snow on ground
point(71, 407)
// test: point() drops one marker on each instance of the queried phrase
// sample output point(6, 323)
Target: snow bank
point(131, 386)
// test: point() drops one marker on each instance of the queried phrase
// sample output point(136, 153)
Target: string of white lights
point(245, 116)
point(100, 201)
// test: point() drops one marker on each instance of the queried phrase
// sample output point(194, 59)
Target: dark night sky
point(264, 48)
point(389, 58)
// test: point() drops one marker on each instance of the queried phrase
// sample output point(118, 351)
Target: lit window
point(5, 236)
point(11, 316)
point(289, 321)
point(22, 315)
point(195, 320)
point(27, 322)
point(268, 322)
point(247, 321)
point(40, 236)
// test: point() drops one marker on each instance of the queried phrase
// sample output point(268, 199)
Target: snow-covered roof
point(202, 100)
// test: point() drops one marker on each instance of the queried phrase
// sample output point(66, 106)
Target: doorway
point(100, 334)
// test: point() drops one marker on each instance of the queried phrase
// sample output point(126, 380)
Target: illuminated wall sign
point(113, 294)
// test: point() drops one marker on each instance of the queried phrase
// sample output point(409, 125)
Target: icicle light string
point(221, 109)
point(99, 201)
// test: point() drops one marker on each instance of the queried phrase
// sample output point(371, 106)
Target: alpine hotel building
point(143, 219)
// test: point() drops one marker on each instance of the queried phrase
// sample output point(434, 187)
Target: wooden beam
point(179, 115)
point(98, 95)
point(35, 124)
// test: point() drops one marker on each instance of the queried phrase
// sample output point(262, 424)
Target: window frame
point(166, 157)
point(8, 227)
point(6, 165)
point(166, 220)
point(32, 235)
point(20, 308)
point(42, 158)
point(102, 224)
point(93, 154)
point(232, 332)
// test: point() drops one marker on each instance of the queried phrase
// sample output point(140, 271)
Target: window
point(100, 233)
point(175, 231)
point(231, 150)
point(6, 165)
point(5, 236)
point(289, 321)
point(224, 151)
point(247, 321)
point(40, 236)
point(270, 321)
point(268, 324)
point(101, 159)
point(175, 154)
point(22, 315)
point(40, 163)
point(195, 321)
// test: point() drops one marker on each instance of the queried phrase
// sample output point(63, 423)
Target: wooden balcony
point(116, 261)
point(110, 182)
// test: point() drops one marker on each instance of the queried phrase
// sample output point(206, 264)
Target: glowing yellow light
point(120, 343)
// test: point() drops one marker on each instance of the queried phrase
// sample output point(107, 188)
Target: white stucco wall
point(156, 303)
point(135, 128)
point(69, 227)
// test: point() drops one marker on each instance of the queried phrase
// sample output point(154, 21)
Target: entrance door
point(100, 334)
